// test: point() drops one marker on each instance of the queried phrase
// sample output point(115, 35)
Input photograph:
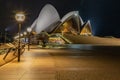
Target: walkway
point(33, 66)
point(45, 64)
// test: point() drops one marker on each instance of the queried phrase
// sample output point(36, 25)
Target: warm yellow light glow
point(66, 26)
point(29, 29)
point(20, 17)
point(21, 34)
point(57, 40)
point(25, 33)
point(86, 29)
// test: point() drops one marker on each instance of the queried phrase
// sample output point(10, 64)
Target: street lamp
point(20, 17)
point(25, 33)
point(21, 35)
point(29, 30)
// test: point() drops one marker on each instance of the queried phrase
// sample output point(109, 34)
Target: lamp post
point(29, 30)
point(25, 33)
point(20, 17)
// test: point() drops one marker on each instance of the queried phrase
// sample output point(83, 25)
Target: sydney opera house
point(68, 29)
point(49, 21)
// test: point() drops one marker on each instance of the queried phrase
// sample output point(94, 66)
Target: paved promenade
point(45, 64)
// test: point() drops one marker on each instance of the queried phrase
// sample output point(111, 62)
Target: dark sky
point(103, 14)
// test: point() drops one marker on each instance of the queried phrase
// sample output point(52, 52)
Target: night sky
point(103, 14)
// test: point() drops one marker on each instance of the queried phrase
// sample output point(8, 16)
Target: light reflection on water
point(92, 47)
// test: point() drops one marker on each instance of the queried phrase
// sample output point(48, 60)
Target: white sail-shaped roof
point(65, 17)
point(81, 21)
point(86, 30)
point(34, 24)
point(71, 14)
point(47, 17)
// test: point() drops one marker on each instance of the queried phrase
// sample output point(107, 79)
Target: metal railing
point(15, 50)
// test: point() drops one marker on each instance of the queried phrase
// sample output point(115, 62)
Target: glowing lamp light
point(21, 34)
point(20, 17)
point(25, 33)
point(29, 29)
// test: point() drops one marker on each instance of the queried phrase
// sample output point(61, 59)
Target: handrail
point(2, 51)
point(22, 47)
point(16, 48)
point(7, 53)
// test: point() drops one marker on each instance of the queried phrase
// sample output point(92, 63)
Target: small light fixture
point(20, 16)
point(29, 29)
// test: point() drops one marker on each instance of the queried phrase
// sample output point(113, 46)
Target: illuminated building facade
point(49, 21)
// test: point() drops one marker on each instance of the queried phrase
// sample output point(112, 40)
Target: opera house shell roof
point(49, 21)
point(47, 17)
